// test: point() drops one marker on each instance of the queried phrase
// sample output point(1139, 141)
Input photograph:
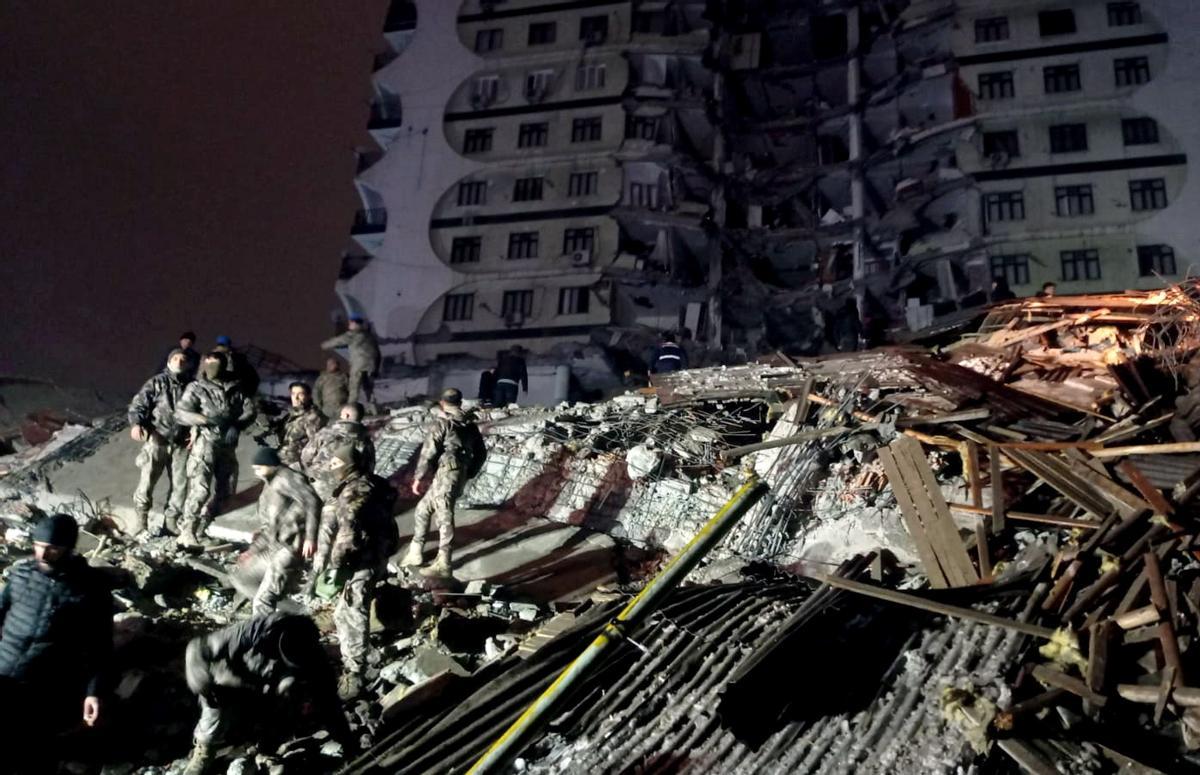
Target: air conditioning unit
point(581, 258)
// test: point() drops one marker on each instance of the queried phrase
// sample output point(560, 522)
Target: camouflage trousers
point(362, 387)
point(156, 457)
point(448, 484)
point(352, 617)
point(207, 483)
point(267, 572)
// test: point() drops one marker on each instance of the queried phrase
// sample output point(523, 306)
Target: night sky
point(174, 165)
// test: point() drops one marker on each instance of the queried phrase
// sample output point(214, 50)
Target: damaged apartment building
point(761, 174)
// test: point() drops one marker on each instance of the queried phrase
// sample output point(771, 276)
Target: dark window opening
point(1068, 138)
point(1080, 265)
point(477, 141)
point(1124, 14)
point(1004, 206)
point(996, 86)
point(1131, 71)
point(1059, 22)
point(1072, 201)
point(542, 33)
point(1139, 131)
point(1005, 142)
point(583, 183)
point(1148, 194)
point(465, 250)
point(458, 306)
point(1155, 260)
point(517, 303)
point(585, 130)
point(991, 30)
point(523, 244)
point(472, 192)
point(533, 135)
point(1013, 269)
point(578, 240)
point(1061, 78)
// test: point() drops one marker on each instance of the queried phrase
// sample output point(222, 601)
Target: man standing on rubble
point(331, 391)
point(669, 356)
point(358, 535)
point(215, 409)
point(164, 443)
point(301, 424)
point(56, 641)
point(455, 446)
point(511, 371)
point(364, 358)
point(346, 431)
point(271, 668)
point(288, 514)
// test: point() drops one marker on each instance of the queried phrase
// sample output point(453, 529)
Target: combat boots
point(439, 568)
point(198, 763)
point(413, 557)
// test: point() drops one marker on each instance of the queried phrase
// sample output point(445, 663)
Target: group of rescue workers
point(320, 504)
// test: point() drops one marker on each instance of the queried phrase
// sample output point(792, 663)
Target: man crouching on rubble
point(288, 512)
point(56, 615)
point(269, 668)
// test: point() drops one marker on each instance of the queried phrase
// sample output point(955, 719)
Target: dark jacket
point(57, 626)
point(154, 405)
point(512, 368)
point(244, 374)
point(669, 357)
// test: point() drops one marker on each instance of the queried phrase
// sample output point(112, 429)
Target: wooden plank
point(997, 482)
point(1061, 680)
point(1085, 468)
point(1177, 448)
point(1099, 638)
point(981, 549)
point(912, 520)
point(1036, 519)
point(970, 458)
point(1166, 631)
point(1152, 494)
point(935, 514)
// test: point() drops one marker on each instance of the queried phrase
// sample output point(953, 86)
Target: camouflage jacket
point(213, 409)
point(331, 391)
point(288, 509)
point(299, 427)
point(154, 406)
point(353, 529)
point(319, 451)
point(446, 444)
point(364, 350)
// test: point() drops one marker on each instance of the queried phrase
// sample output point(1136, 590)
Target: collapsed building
point(801, 175)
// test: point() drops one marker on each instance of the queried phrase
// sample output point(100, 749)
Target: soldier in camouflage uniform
point(288, 511)
point(216, 411)
point(331, 391)
point(348, 430)
point(300, 424)
point(164, 443)
point(364, 358)
point(449, 446)
point(358, 535)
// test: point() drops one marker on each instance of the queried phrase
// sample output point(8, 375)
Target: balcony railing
point(370, 221)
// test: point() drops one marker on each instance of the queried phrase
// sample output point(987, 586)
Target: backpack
point(475, 449)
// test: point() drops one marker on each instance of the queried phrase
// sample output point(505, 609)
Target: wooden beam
point(1061, 680)
point(997, 484)
point(1152, 494)
point(912, 520)
point(1176, 448)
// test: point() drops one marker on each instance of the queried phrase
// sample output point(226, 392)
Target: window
point(575, 240)
point(589, 77)
point(487, 89)
point(1068, 138)
point(465, 250)
point(644, 195)
point(1139, 131)
point(1124, 14)
point(1152, 260)
point(573, 301)
point(583, 183)
point(651, 23)
point(1148, 194)
point(1080, 265)
point(1131, 71)
point(528, 189)
point(996, 86)
point(585, 130)
point(1014, 269)
point(472, 192)
point(593, 29)
point(989, 30)
point(641, 127)
point(1071, 201)
point(517, 303)
point(1061, 22)
point(477, 140)
point(1061, 78)
point(489, 40)
point(542, 33)
point(1005, 142)
point(1004, 206)
point(537, 85)
point(458, 306)
point(523, 244)
point(533, 135)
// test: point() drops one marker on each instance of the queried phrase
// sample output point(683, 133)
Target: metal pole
point(644, 603)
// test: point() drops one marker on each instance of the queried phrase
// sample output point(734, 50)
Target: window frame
point(1087, 258)
point(1000, 265)
point(587, 129)
point(590, 76)
point(579, 239)
point(458, 307)
point(1131, 71)
point(574, 300)
point(997, 85)
point(494, 38)
point(466, 250)
point(1008, 206)
point(472, 193)
point(593, 30)
point(478, 140)
point(542, 34)
point(1148, 195)
point(1068, 138)
point(523, 245)
point(533, 131)
point(1002, 137)
point(1079, 198)
point(529, 189)
point(1152, 260)
point(1124, 14)
point(644, 195)
point(517, 300)
point(1140, 130)
point(992, 29)
point(1066, 78)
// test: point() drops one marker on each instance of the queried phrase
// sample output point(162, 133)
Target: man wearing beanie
point(288, 512)
point(164, 443)
point(55, 640)
point(358, 535)
point(270, 667)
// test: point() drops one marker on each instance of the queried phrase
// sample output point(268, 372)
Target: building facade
point(763, 174)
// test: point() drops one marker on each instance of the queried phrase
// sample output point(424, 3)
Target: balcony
point(373, 221)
